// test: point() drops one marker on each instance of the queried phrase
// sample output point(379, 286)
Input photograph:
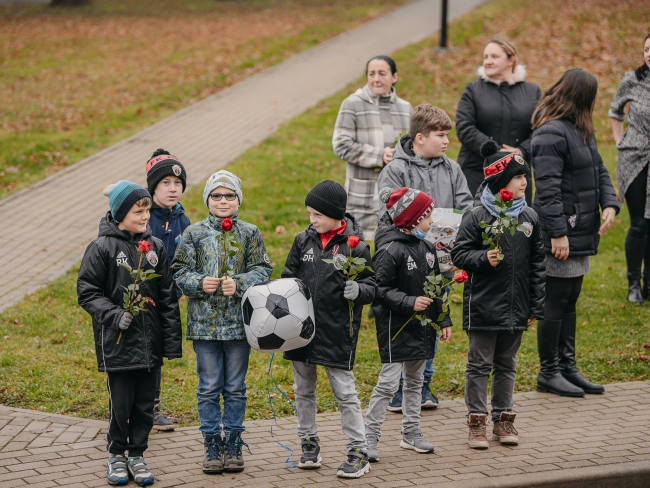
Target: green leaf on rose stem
point(441, 317)
point(127, 267)
point(152, 276)
point(521, 228)
point(126, 299)
point(328, 261)
point(370, 269)
point(512, 231)
point(131, 287)
point(482, 225)
point(485, 236)
point(500, 257)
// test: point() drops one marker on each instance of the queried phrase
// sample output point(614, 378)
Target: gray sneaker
point(160, 422)
point(373, 455)
point(139, 471)
point(116, 473)
point(416, 441)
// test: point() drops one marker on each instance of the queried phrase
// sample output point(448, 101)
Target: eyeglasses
point(216, 197)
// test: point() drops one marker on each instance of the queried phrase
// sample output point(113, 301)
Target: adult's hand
point(608, 219)
point(211, 284)
point(510, 149)
point(388, 154)
point(560, 247)
point(617, 129)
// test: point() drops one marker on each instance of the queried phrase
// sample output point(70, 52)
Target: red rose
point(226, 225)
point(353, 241)
point(506, 195)
point(150, 301)
point(144, 247)
point(461, 277)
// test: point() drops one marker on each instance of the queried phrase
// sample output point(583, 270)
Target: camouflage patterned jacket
point(199, 254)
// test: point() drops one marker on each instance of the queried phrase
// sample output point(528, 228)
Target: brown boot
point(504, 431)
point(477, 433)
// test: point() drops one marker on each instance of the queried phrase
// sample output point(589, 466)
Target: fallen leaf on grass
point(6, 337)
point(180, 381)
point(78, 332)
point(646, 346)
point(280, 230)
point(641, 357)
point(91, 351)
point(453, 382)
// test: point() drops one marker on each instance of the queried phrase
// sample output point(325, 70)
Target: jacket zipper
point(390, 335)
point(318, 277)
point(469, 306)
point(512, 282)
point(144, 326)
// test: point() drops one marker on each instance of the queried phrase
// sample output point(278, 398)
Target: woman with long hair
point(369, 123)
point(632, 170)
point(572, 186)
point(497, 106)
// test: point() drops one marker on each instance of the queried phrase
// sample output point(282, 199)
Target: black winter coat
point(332, 345)
point(572, 185)
point(402, 265)
point(505, 297)
point(168, 226)
point(153, 334)
point(488, 111)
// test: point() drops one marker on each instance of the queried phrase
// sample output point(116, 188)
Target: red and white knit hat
point(406, 206)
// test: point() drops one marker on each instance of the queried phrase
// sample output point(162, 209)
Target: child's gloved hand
point(351, 290)
point(421, 303)
point(125, 321)
point(229, 286)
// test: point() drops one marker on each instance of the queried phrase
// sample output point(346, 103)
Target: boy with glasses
point(214, 317)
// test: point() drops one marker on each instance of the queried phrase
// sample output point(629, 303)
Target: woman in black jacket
point(572, 186)
point(497, 106)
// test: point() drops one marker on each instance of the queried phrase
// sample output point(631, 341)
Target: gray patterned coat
point(212, 316)
point(634, 146)
point(367, 124)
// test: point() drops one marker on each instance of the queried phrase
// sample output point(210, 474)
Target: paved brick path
point(205, 136)
point(564, 442)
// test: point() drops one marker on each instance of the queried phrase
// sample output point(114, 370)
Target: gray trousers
point(496, 353)
point(345, 393)
point(387, 385)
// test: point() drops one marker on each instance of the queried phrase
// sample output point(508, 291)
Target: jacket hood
point(108, 228)
point(366, 94)
point(404, 151)
point(352, 228)
point(518, 76)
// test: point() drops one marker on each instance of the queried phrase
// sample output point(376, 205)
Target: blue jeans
point(428, 367)
point(222, 367)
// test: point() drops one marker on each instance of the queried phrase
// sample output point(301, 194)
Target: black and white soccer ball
point(278, 315)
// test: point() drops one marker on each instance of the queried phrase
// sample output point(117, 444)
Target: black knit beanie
point(162, 164)
point(329, 198)
point(500, 167)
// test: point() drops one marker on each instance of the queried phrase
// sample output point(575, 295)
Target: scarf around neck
point(488, 200)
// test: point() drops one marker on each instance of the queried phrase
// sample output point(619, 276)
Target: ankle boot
point(567, 353)
point(634, 292)
point(550, 380)
point(645, 291)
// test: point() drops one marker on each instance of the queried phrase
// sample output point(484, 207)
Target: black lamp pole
point(443, 26)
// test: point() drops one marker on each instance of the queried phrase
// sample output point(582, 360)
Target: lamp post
point(442, 47)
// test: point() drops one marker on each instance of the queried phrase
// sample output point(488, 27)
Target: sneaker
point(429, 400)
point(395, 404)
point(373, 455)
point(160, 422)
point(233, 460)
point(477, 431)
point(504, 431)
point(416, 442)
point(139, 471)
point(310, 458)
point(356, 466)
point(213, 460)
point(116, 473)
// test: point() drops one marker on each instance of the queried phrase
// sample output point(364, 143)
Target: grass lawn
point(47, 359)
point(77, 80)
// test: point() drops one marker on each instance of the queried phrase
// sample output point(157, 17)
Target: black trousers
point(561, 296)
point(637, 242)
point(131, 396)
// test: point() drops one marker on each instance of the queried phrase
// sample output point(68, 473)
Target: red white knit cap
point(406, 206)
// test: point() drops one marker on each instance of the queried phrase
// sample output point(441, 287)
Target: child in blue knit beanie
point(132, 365)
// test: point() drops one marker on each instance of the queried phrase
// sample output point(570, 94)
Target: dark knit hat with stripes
point(500, 167)
point(406, 206)
point(162, 164)
point(328, 198)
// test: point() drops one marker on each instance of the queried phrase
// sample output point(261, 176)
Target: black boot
point(645, 291)
point(634, 292)
point(567, 353)
point(550, 380)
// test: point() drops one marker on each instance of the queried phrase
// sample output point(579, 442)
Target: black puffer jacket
point(402, 265)
point(332, 345)
point(490, 111)
point(572, 185)
point(505, 297)
point(153, 334)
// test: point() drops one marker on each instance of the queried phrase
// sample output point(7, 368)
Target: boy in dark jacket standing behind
point(502, 298)
point(402, 266)
point(166, 180)
point(335, 341)
point(133, 365)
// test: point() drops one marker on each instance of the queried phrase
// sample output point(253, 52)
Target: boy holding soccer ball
point(214, 317)
point(333, 236)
